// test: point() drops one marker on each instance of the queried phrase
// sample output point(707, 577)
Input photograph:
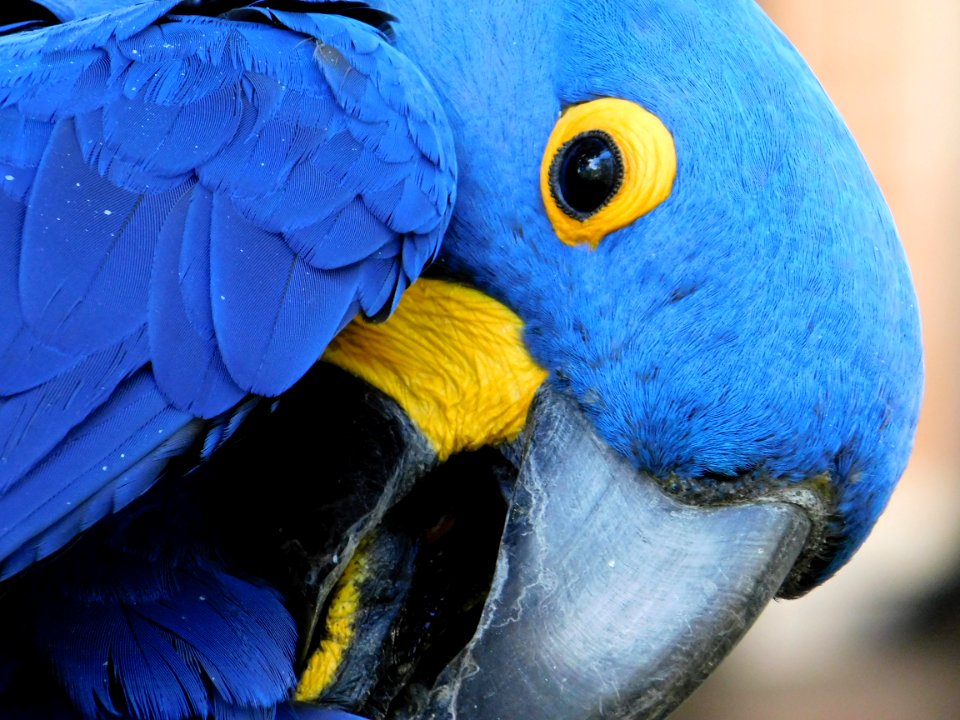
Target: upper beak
point(610, 599)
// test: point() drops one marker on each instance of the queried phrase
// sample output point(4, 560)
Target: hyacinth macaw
point(654, 271)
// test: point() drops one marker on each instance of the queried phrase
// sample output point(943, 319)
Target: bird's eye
point(586, 173)
point(607, 162)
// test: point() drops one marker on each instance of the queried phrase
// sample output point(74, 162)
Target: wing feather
point(87, 250)
point(185, 355)
point(193, 207)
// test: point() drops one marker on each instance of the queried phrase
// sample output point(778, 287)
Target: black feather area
point(20, 15)
point(142, 619)
point(244, 10)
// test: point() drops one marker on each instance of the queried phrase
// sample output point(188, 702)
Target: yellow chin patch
point(453, 358)
point(338, 633)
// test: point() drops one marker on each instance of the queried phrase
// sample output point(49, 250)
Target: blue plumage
point(304, 713)
point(87, 251)
point(135, 246)
point(197, 196)
point(157, 625)
point(771, 326)
point(97, 468)
point(186, 358)
point(149, 286)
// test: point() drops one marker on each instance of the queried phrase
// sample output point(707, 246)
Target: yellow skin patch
point(453, 358)
point(339, 630)
point(649, 167)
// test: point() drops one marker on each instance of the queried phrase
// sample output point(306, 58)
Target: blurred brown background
point(882, 639)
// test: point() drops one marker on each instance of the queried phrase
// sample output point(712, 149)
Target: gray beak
point(610, 599)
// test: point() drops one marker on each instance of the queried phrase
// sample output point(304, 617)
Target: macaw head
point(705, 270)
point(670, 293)
point(756, 318)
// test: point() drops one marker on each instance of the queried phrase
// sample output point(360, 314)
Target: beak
point(610, 598)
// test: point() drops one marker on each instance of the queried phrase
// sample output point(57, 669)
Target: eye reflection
point(587, 172)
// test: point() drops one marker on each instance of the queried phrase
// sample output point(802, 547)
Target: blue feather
point(282, 191)
point(157, 628)
point(25, 362)
point(185, 356)
point(194, 264)
point(343, 238)
point(136, 423)
point(87, 251)
point(147, 283)
point(19, 26)
point(130, 221)
point(378, 283)
point(35, 421)
point(303, 712)
point(32, 137)
point(11, 321)
point(15, 183)
point(273, 314)
point(168, 141)
point(223, 428)
point(73, 9)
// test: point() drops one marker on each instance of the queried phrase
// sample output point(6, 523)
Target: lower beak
point(610, 598)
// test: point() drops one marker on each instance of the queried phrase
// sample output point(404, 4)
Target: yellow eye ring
point(607, 162)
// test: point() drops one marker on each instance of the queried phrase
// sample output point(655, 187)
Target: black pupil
point(589, 174)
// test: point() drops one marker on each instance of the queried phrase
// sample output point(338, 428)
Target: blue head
point(759, 326)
